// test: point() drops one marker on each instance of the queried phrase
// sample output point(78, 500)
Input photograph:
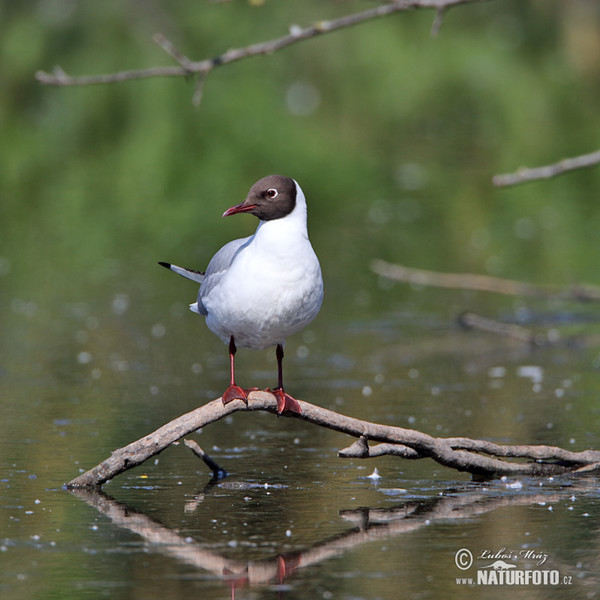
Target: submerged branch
point(217, 471)
point(484, 460)
point(470, 320)
point(483, 283)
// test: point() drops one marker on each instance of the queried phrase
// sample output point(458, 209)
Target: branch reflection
point(367, 525)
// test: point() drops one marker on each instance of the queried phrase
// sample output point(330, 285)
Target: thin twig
point(470, 320)
point(480, 458)
point(172, 51)
point(484, 283)
point(203, 67)
point(199, 89)
point(217, 471)
point(438, 20)
point(525, 174)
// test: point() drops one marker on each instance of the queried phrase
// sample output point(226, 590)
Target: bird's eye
point(272, 193)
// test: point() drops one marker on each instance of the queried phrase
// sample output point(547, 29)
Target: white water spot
point(496, 372)
point(533, 372)
point(83, 358)
point(197, 368)
point(413, 373)
point(516, 485)
point(118, 364)
point(120, 304)
point(302, 352)
point(374, 476)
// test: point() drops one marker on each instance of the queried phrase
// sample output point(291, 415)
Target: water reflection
point(366, 525)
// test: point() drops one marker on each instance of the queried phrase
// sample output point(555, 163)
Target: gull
point(258, 290)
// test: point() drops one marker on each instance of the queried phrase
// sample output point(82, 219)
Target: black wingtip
point(166, 265)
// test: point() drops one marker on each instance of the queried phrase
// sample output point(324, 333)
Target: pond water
point(292, 520)
point(394, 136)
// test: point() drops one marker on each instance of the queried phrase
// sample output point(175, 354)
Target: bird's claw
point(285, 402)
point(234, 392)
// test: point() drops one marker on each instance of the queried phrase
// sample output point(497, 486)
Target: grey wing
point(217, 267)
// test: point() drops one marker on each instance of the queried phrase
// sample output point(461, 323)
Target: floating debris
point(374, 476)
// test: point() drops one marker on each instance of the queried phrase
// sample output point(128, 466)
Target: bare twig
point(480, 458)
point(203, 67)
point(438, 21)
point(484, 283)
point(172, 51)
point(199, 89)
point(525, 174)
point(217, 471)
point(471, 320)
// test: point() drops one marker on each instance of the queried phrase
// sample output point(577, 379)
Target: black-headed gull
point(260, 289)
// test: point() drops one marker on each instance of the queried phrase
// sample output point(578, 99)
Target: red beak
point(239, 208)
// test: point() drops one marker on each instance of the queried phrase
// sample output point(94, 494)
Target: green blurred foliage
point(393, 134)
point(394, 137)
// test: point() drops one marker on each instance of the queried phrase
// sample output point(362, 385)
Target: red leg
point(285, 402)
point(233, 392)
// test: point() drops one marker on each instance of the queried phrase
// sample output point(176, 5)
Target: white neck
point(287, 229)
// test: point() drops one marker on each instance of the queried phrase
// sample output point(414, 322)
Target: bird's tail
point(196, 276)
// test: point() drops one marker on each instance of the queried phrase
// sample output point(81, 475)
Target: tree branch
point(525, 174)
point(484, 460)
point(483, 283)
point(203, 67)
point(470, 320)
point(217, 471)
